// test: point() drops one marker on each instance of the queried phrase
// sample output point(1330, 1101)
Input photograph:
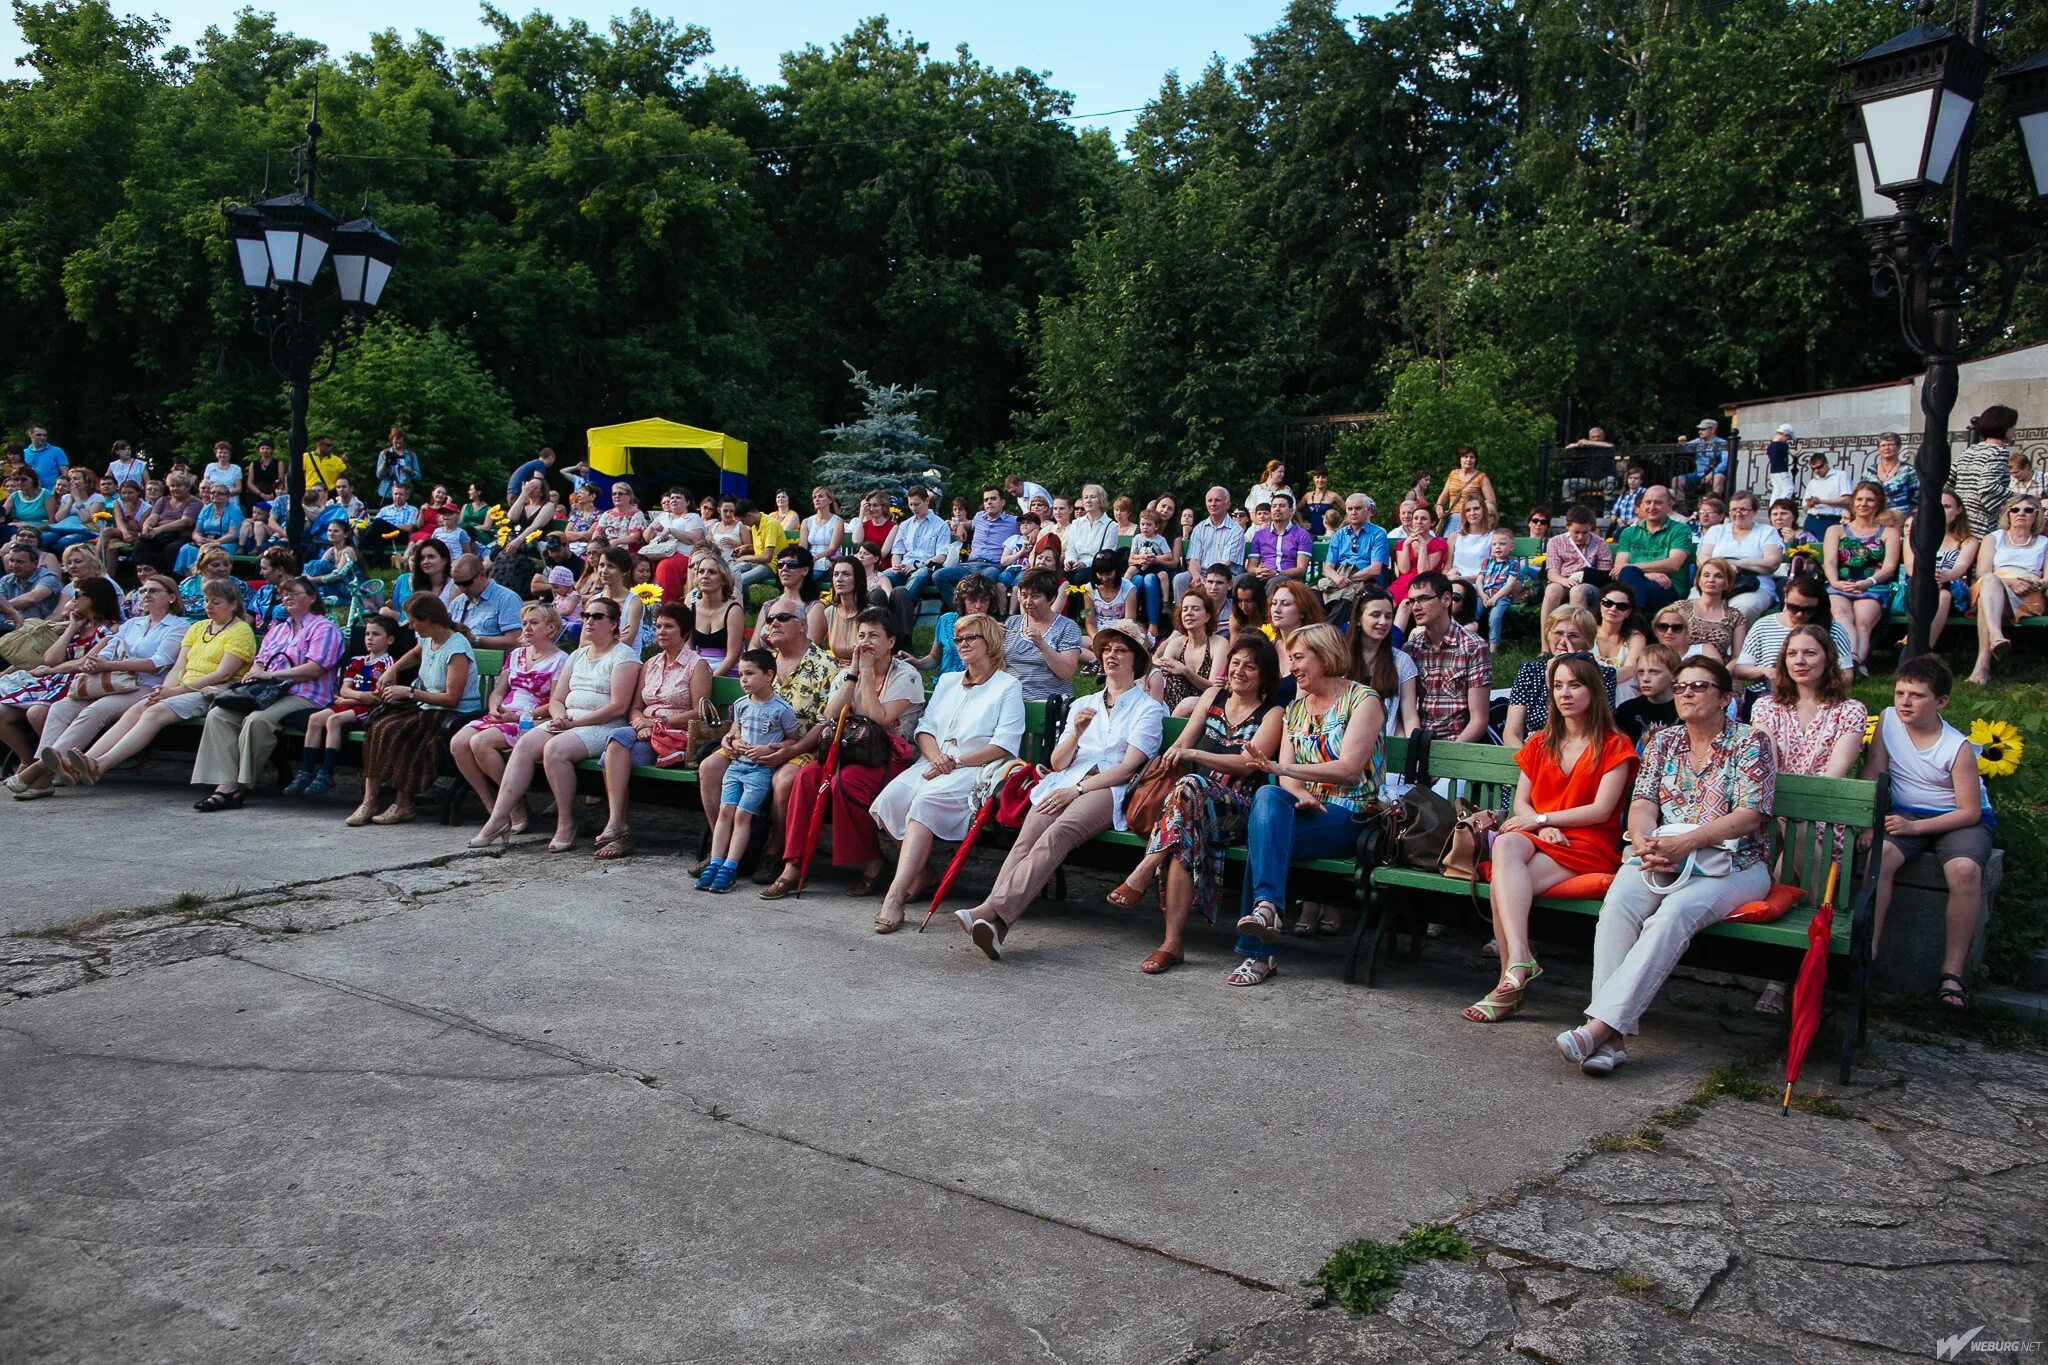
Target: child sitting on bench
point(761, 722)
point(1938, 804)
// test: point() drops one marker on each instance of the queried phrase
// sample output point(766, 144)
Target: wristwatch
point(1541, 819)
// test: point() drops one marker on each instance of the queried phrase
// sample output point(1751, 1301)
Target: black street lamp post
point(1913, 98)
point(279, 246)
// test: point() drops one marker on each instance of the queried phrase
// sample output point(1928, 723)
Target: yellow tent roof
point(609, 445)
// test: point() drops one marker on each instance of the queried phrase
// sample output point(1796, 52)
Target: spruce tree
point(883, 449)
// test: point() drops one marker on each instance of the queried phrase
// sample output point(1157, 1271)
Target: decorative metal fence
point(1858, 454)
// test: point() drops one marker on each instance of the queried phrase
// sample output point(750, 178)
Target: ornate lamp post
point(279, 245)
point(1913, 99)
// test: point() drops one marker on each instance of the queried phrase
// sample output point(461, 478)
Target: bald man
point(1218, 540)
point(1653, 554)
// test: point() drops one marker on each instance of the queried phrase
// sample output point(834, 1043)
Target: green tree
point(1430, 412)
point(429, 382)
point(885, 448)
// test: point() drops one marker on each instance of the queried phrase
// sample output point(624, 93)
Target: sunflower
point(648, 593)
point(1805, 551)
point(1870, 731)
point(1999, 747)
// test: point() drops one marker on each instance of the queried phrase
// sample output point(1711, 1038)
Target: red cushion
point(1587, 886)
point(1773, 906)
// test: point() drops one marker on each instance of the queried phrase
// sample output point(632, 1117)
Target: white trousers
point(1642, 935)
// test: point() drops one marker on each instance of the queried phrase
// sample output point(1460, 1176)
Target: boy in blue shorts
point(1938, 805)
point(761, 722)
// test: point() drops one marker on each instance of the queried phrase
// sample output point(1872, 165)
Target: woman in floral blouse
point(1706, 772)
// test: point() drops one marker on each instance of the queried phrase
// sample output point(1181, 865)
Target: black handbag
point(249, 697)
point(864, 742)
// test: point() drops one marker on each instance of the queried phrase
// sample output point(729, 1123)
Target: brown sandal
point(620, 846)
point(1123, 895)
point(1160, 961)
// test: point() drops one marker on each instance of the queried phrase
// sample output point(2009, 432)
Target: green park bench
point(1403, 897)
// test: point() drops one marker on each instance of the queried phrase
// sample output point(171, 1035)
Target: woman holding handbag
point(293, 674)
point(881, 697)
point(113, 678)
point(674, 681)
point(1698, 826)
point(1566, 820)
point(408, 729)
point(1208, 795)
point(1111, 735)
point(26, 695)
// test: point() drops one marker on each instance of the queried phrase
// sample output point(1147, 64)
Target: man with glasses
point(1651, 557)
point(984, 553)
point(488, 611)
point(1456, 668)
point(1805, 604)
point(923, 540)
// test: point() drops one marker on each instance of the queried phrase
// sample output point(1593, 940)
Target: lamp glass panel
point(348, 275)
point(374, 277)
point(1948, 134)
point(312, 251)
point(1870, 203)
point(252, 258)
point(1897, 129)
point(2034, 130)
point(284, 252)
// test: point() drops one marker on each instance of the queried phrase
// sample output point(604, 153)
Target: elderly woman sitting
point(1699, 818)
point(973, 722)
point(26, 695)
point(298, 655)
point(674, 681)
point(1111, 735)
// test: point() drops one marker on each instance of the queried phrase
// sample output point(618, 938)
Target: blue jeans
point(1276, 834)
point(1154, 598)
point(1496, 614)
point(1650, 596)
point(948, 578)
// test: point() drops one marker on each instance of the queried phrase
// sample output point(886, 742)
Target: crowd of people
point(1691, 650)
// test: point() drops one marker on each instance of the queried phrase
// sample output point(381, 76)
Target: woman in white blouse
point(824, 531)
point(974, 720)
point(1111, 735)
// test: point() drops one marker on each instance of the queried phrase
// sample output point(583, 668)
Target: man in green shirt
point(1653, 557)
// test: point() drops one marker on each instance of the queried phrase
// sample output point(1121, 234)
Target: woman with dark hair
point(1248, 607)
point(887, 691)
point(1861, 558)
point(402, 748)
point(1391, 673)
point(1040, 646)
point(797, 591)
point(1188, 660)
point(849, 584)
point(674, 682)
point(1566, 819)
point(611, 579)
point(1707, 783)
point(1205, 811)
point(86, 621)
point(1953, 564)
point(427, 570)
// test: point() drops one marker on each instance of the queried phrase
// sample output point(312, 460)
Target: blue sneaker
point(728, 873)
point(709, 874)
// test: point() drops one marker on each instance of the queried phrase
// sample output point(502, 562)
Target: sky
point(1110, 56)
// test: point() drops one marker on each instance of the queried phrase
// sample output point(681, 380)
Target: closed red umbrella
point(1813, 976)
point(829, 771)
point(981, 817)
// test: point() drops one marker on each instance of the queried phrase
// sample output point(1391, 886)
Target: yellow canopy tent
point(654, 455)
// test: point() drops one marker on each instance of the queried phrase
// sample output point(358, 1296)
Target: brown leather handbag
point(1467, 848)
point(1146, 797)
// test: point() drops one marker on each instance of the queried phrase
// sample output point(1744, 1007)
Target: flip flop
point(1123, 895)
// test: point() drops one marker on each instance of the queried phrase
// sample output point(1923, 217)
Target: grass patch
point(1645, 1139)
point(1364, 1274)
point(1633, 1282)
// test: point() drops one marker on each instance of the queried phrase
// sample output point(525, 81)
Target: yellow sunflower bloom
point(1999, 747)
point(648, 593)
point(1870, 731)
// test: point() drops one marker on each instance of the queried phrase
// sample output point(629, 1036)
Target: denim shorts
point(639, 750)
point(746, 786)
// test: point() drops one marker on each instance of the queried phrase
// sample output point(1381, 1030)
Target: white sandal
point(1263, 923)
point(1253, 971)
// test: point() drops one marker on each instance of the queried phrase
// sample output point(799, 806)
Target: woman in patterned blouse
point(1706, 772)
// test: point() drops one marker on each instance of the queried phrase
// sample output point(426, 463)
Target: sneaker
point(298, 784)
point(721, 882)
point(320, 784)
point(709, 873)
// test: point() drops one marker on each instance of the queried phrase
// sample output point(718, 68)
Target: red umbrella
point(981, 817)
point(829, 771)
point(1813, 975)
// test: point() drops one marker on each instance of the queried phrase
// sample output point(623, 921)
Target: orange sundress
point(1588, 848)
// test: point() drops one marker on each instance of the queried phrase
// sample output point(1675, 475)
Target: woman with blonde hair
point(168, 525)
point(1711, 620)
point(1566, 631)
point(2012, 571)
point(525, 683)
point(718, 624)
point(1565, 822)
point(824, 531)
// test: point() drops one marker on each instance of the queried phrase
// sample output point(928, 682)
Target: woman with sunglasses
point(1566, 817)
point(1619, 638)
point(1672, 630)
point(1708, 783)
point(797, 591)
point(2012, 568)
point(1567, 631)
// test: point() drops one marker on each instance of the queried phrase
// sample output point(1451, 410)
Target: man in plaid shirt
point(1456, 666)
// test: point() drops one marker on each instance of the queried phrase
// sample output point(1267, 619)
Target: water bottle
point(525, 721)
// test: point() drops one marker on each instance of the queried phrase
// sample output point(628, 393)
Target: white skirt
point(944, 805)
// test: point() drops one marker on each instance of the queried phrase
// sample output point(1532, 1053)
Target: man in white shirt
point(1023, 490)
point(1218, 540)
point(675, 529)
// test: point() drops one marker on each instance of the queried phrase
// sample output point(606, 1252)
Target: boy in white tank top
point(1938, 804)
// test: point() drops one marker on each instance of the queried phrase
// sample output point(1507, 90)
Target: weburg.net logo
point(1967, 1343)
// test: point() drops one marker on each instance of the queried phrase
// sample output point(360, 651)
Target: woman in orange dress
point(1568, 807)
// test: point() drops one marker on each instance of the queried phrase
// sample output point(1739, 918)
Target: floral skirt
point(1201, 819)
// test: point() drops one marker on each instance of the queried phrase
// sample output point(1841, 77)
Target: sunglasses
point(781, 618)
point(1670, 625)
point(1616, 606)
point(1801, 608)
point(1693, 689)
point(789, 564)
point(599, 616)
